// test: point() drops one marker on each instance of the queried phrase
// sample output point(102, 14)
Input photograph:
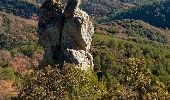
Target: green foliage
point(29, 29)
point(112, 58)
point(7, 73)
point(133, 29)
point(27, 50)
point(19, 8)
point(16, 32)
point(68, 83)
point(4, 64)
point(113, 30)
point(155, 13)
point(135, 82)
point(134, 57)
point(5, 24)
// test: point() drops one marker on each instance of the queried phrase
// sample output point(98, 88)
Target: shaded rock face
point(65, 34)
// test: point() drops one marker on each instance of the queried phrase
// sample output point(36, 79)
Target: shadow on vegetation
point(156, 14)
point(18, 8)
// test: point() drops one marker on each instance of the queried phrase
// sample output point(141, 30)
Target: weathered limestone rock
point(72, 5)
point(67, 36)
point(50, 24)
point(80, 29)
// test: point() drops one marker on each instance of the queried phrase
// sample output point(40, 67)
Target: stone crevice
point(68, 35)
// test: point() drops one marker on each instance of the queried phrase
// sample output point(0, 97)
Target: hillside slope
point(139, 2)
point(133, 55)
point(18, 42)
point(96, 8)
point(136, 29)
point(156, 14)
point(102, 8)
point(16, 31)
point(18, 8)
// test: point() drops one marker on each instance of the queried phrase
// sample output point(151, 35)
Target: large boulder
point(68, 38)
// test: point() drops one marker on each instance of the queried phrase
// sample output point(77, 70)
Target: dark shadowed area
point(18, 8)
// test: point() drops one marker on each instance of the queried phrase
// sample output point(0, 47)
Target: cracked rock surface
point(66, 34)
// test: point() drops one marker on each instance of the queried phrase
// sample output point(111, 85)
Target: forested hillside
point(117, 46)
point(139, 1)
point(29, 8)
point(19, 51)
point(156, 14)
point(132, 50)
point(134, 29)
point(131, 63)
point(103, 8)
point(18, 8)
point(132, 39)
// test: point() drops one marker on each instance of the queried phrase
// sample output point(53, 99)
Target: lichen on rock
point(65, 34)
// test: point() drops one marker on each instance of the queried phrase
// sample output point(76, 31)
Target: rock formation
point(65, 34)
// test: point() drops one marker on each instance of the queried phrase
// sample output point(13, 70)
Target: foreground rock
point(67, 36)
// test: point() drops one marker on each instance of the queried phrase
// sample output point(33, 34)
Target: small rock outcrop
point(66, 34)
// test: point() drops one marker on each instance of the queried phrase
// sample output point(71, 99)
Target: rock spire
point(65, 34)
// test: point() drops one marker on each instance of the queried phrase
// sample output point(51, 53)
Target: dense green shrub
point(5, 24)
point(7, 73)
point(134, 82)
point(66, 84)
point(27, 50)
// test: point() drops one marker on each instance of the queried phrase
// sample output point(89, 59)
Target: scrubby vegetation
point(16, 31)
point(134, 29)
point(132, 82)
point(134, 65)
point(69, 83)
point(133, 55)
point(113, 57)
point(139, 2)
